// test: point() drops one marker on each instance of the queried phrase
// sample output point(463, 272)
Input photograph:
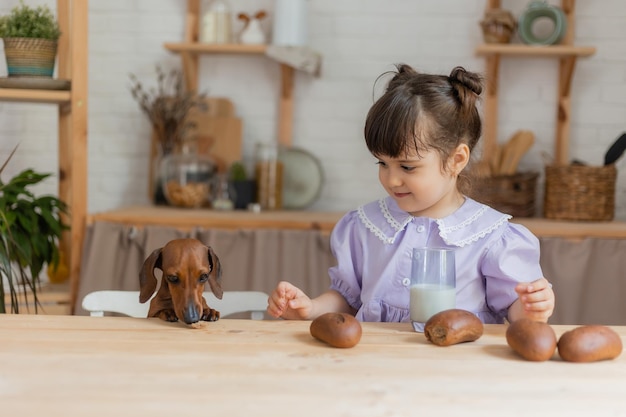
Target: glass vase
point(186, 179)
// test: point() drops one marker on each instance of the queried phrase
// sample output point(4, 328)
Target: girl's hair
point(425, 111)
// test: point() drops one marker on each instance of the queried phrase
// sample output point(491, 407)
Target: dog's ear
point(215, 277)
point(147, 280)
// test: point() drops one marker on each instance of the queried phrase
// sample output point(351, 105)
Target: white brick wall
point(359, 39)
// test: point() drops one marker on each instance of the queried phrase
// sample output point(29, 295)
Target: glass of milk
point(433, 284)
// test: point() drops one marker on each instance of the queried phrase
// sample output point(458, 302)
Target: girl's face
point(420, 186)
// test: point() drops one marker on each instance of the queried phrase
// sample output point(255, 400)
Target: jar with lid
point(216, 23)
point(224, 196)
point(269, 176)
point(186, 179)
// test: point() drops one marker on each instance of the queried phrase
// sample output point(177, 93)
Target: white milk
point(429, 299)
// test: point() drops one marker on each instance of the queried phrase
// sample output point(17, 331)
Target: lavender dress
point(373, 247)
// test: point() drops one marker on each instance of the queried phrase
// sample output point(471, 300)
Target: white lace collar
point(472, 221)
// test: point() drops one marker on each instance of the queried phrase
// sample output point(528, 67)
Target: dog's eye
point(173, 279)
point(204, 278)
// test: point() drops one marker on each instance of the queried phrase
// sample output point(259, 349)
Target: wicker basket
point(30, 57)
point(580, 192)
point(511, 194)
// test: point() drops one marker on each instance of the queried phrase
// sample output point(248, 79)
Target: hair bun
point(468, 79)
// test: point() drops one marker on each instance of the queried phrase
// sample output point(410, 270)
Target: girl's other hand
point(536, 299)
point(289, 302)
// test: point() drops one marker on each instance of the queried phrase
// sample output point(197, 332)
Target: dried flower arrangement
point(167, 107)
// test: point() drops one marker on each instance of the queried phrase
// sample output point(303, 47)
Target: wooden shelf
point(536, 51)
point(54, 299)
point(210, 48)
point(35, 96)
point(573, 229)
point(187, 219)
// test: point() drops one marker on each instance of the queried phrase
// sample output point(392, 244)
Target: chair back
point(127, 303)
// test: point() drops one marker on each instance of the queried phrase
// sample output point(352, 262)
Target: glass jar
point(224, 195)
point(269, 176)
point(186, 179)
point(216, 23)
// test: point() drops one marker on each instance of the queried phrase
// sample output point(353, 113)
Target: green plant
point(237, 172)
point(29, 22)
point(30, 230)
point(167, 107)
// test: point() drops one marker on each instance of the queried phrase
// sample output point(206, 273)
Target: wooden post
point(285, 107)
point(76, 122)
point(190, 60)
point(490, 125)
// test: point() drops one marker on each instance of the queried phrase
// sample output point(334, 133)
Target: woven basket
point(511, 194)
point(30, 57)
point(580, 192)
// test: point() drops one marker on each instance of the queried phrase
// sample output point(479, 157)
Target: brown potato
point(532, 340)
point(589, 344)
point(337, 329)
point(453, 326)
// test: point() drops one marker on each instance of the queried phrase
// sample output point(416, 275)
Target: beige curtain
point(589, 279)
point(251, 259)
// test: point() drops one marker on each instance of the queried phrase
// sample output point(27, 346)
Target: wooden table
point(113, 366)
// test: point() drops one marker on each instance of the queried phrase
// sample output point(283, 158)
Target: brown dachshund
point(187, 264)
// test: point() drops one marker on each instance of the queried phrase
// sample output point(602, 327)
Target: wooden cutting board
point(219, 132)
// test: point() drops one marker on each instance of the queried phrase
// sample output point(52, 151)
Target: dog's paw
point(168, 315)
point(210, 315)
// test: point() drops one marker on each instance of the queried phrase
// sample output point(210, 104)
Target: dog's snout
point(191, 314)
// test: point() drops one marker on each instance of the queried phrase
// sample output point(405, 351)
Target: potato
point(589, 344)
point(532, 340)
point(453, 326)
point(337, 329)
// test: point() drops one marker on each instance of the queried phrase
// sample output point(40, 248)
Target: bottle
point(269, 177)
point(216, 23)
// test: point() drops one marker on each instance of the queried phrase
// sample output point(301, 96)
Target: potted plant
point(30, 230)
point(245, 188)
point(30, 41)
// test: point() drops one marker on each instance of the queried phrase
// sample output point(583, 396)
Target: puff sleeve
point(511, 259)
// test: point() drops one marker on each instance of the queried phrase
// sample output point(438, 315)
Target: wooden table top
point(114, 366)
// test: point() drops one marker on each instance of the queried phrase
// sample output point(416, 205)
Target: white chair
point(127, 303)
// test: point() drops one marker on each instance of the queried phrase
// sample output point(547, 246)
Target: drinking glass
point(433, 284)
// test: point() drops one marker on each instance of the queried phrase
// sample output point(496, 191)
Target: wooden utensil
point(514, 150)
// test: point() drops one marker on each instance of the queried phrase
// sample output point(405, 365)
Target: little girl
point(422, 131)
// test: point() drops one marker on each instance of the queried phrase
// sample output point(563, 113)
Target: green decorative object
point(537, 10)
point(245, 189)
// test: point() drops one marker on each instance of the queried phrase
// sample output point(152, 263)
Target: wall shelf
point(536, 51)
point(208, 48)
point(35, 96)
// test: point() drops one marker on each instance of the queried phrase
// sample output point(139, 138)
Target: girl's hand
point(289, 302)
point(536, 299)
